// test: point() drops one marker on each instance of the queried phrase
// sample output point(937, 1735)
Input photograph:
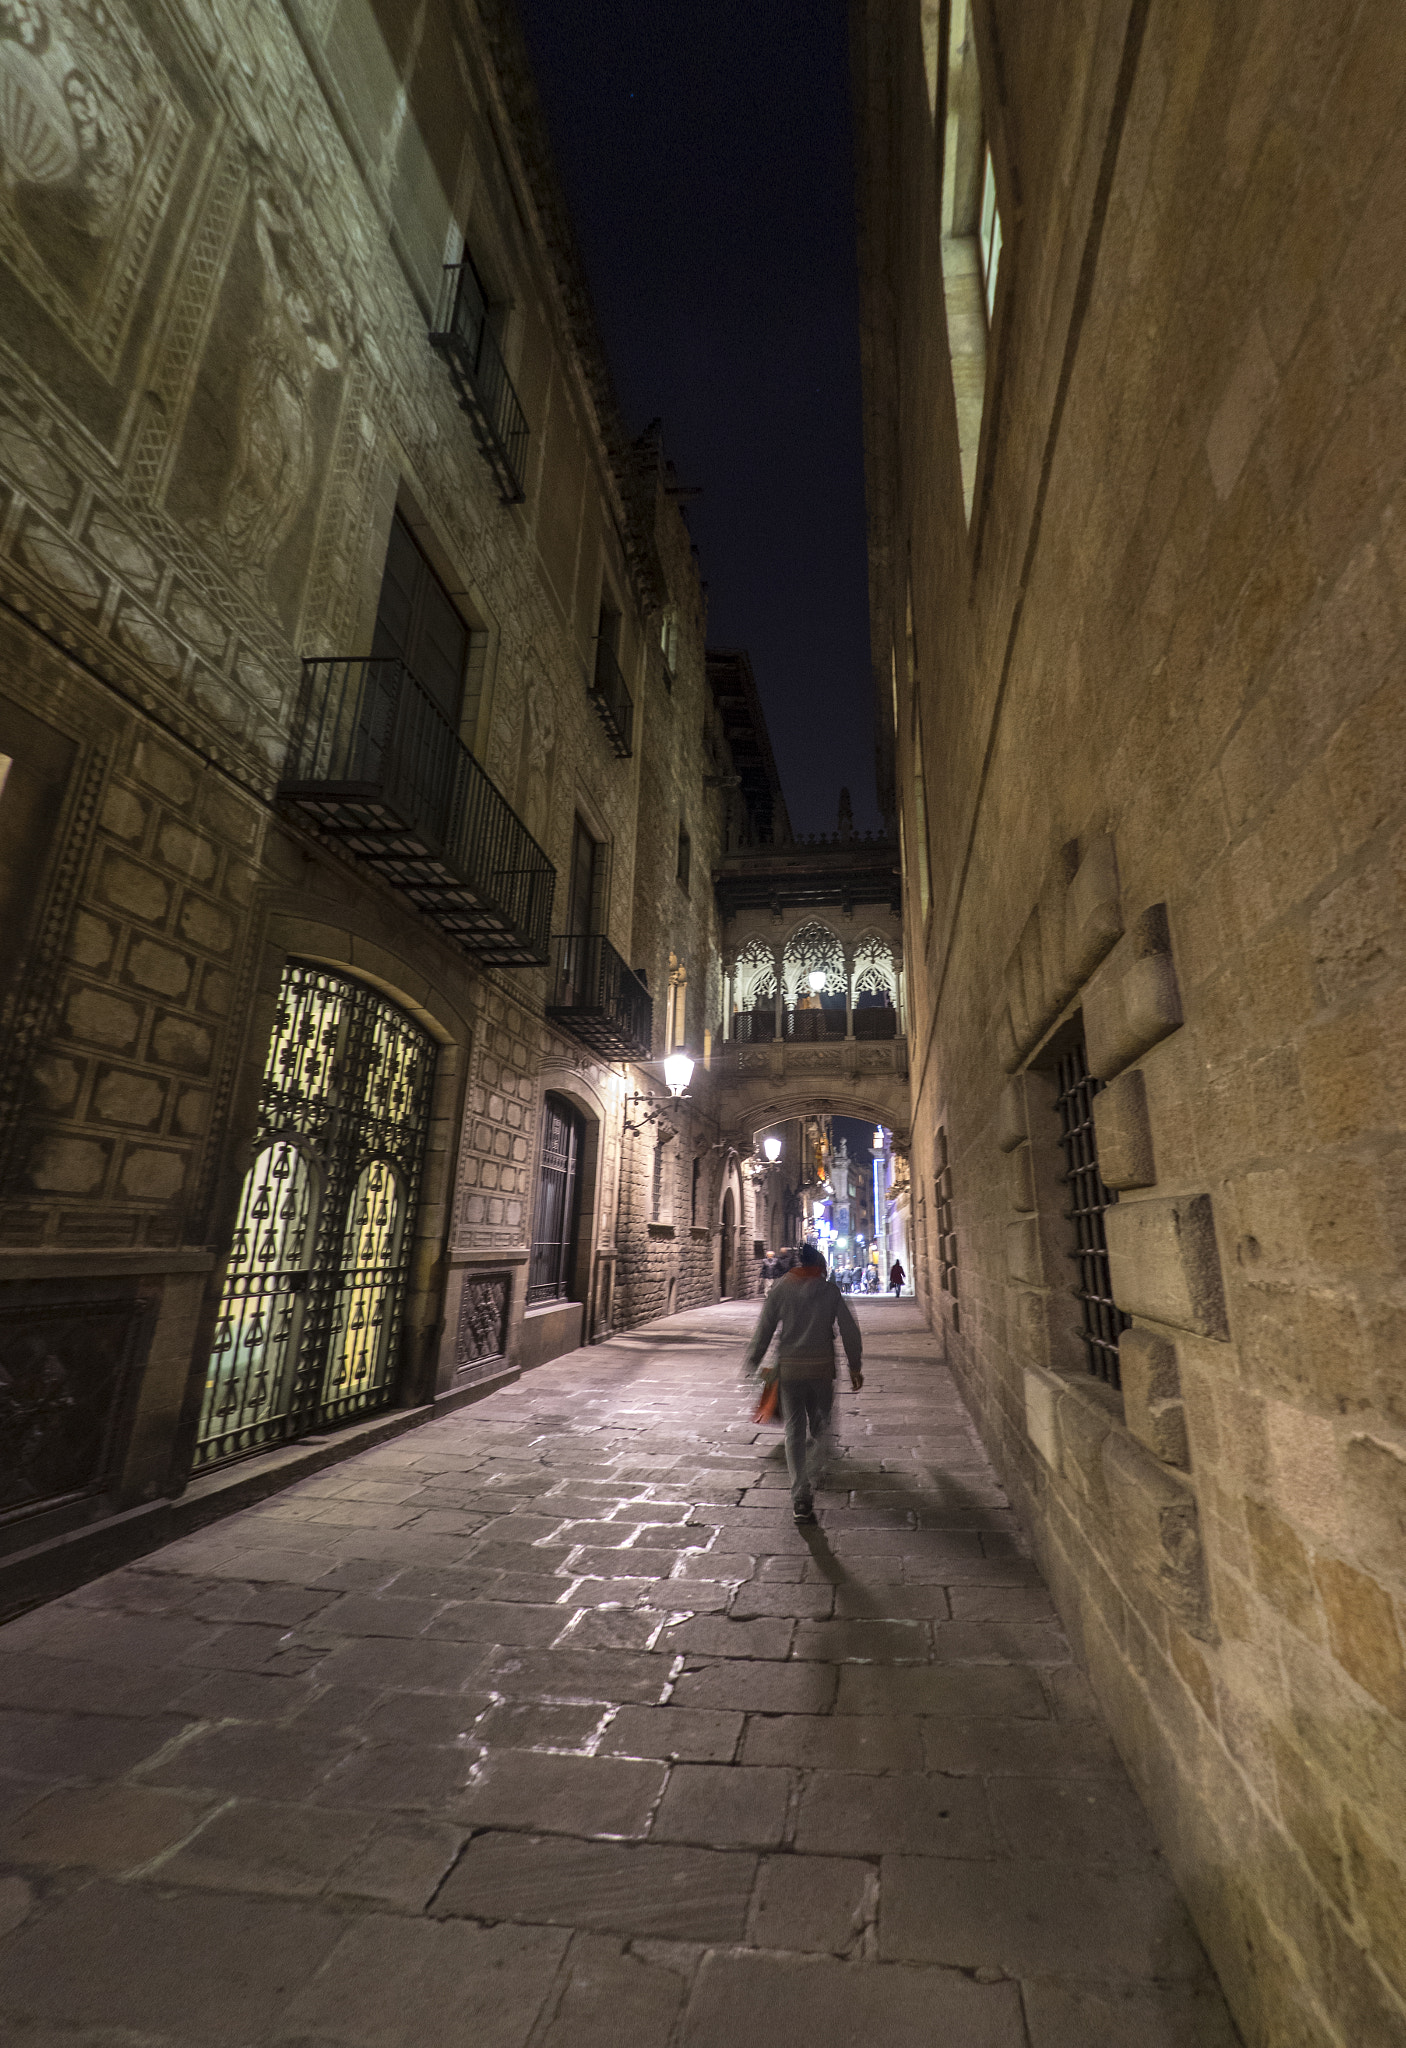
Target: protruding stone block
point(1020, 1178)
point(1093, 912)
point(1088, 1410)
point(1152, 1402)
point(1159, 1529)
point(1164, 1263)
point(1024, 1099)
point(1023, 1254)
point(1133, 1001)
point(1059, 983)
point(1124, 1132)
point(1042, 1392)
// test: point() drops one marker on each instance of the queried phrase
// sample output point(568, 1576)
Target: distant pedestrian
point(897, 1276)
point(805, 1308)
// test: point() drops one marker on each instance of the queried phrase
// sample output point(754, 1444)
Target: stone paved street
point(544, 1725)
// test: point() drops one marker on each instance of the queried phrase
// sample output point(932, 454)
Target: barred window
point(946, 1228)
point(1089, 1198)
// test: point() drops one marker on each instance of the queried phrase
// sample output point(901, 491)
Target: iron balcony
point(465, 339)
point(375, 765)
point(611, 696)
point(595, 996)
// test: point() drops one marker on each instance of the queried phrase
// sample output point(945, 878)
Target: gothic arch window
point(755, 976)
point(874, 980)
point(308, 1330)
point(813, 949)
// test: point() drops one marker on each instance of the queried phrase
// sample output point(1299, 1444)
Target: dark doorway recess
point(555, 1225)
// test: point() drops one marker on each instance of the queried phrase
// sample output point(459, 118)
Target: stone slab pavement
point(543, 1727)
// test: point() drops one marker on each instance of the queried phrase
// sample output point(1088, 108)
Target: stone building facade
point(1132, 306)
point(354, 724)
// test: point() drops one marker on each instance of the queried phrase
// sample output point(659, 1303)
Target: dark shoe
point(803, 1514)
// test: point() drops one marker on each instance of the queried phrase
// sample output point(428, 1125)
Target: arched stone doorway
point(307, 1334)
point(727, 1265)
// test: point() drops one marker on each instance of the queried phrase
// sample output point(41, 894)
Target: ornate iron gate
point(309, 1323)
point(554, 1229)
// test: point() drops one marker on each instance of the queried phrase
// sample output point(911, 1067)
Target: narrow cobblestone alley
point(544, 1725)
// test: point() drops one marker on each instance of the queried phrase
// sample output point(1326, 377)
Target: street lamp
point(816, 980)
point(772, 1148)
point(678, 1072)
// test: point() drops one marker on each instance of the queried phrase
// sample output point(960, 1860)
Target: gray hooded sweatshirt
point(805, 1308)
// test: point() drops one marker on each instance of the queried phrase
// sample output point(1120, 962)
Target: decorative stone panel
point(1133, 1002)
point(1152, 1404)
point(1165, 1264)
point(1159, 1530)
point(1124, 1132)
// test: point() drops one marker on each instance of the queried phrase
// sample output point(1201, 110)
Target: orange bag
point(767, 1407)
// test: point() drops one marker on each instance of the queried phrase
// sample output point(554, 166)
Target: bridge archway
point(870, 1104)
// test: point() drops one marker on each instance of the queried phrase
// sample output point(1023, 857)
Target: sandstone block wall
point(216, 388)
point(1159, 679)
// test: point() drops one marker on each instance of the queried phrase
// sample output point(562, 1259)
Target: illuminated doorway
point(308, 1332)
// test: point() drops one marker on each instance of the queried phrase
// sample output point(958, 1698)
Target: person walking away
point(803, 1310)
point(897, 1276)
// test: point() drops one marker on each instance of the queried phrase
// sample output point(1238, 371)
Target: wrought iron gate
point(309, 1323)
point(554, 1228)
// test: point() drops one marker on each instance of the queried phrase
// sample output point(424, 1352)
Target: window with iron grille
point(1089, 1198)
point(946, 1228)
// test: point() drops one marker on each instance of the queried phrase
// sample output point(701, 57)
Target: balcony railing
point(376, 765)
point(876, 1023)
point(465, 339)
point(595, 996)
point(805, 1027)
point(611, 696)
point(755, 1027)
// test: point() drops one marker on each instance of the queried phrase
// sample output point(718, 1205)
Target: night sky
point(706, 155)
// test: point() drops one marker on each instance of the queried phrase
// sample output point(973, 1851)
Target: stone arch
point(593, 1287)
point(870, 1100)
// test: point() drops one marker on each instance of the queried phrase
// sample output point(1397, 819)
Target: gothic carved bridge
point(762, 1085)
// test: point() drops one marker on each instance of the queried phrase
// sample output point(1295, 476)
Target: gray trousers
point(805, 1409)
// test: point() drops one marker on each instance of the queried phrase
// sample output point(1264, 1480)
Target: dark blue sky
point(706, 154)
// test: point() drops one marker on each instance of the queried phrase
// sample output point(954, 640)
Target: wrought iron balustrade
point(755, 1027)
point(876, 1023)
point(598, 999)
point(611, 696)
point(376, 765)
point(464, 336)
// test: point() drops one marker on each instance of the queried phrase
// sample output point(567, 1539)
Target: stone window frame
point(970, 138)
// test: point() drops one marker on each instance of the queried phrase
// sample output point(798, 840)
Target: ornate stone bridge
point(761, 1085)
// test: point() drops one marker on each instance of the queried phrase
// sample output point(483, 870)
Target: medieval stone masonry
point(1133, 296)
point(362, 778)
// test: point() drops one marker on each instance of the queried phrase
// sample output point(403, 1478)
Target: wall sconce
point(678, 1072)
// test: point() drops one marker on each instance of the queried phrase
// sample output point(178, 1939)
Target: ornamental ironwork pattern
point(309, 1323)
point(1104, 1321)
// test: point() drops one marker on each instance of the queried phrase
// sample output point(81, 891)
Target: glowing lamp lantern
point(771, 1147)
point(678, 1072)
point(816, 980)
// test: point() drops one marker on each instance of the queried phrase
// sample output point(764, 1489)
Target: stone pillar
point(778, 958)
point(849, 991)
